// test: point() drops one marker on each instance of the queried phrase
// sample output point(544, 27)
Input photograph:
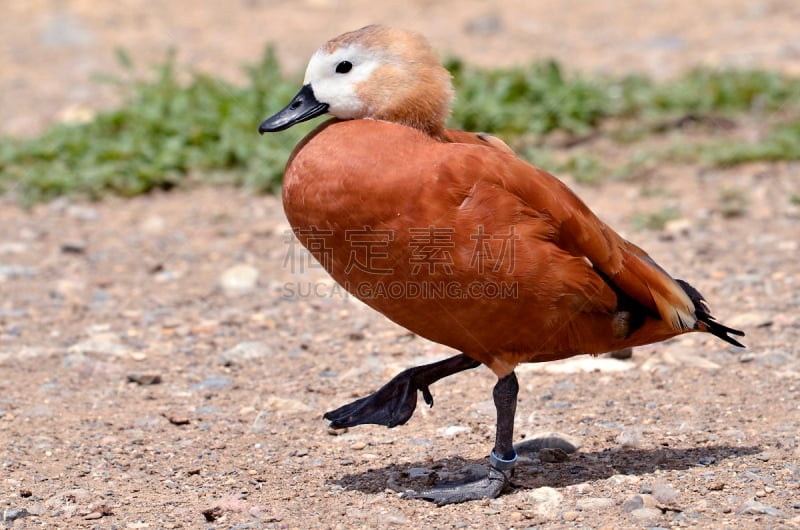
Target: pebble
point(15, 271)
point(570, 515)
point(152, 225)
point(453, 430)
point(758, 508)
point(392, 519)
point(664, 492)
point(13, 514)
point(74, 247)
point(633, 503)
point(104, 343)
point(239, 279)
point(548, 440)
point(13, 247)
point(546, 500)
point(144, 378)
point(646, 513)
point(594, 503)
point(82, 213)
point(677, 227)
point(246, 351)
point(213, 382)
point(630, 438)
point(68, 496)
point(682, 355)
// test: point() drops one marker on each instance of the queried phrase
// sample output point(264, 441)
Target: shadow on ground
point(580, 468)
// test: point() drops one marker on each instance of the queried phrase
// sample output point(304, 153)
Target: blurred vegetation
point(175, 128)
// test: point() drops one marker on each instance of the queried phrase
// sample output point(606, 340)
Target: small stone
point(677, 227)
point(246, 351)
point(570, 515)
point(144, 379)
point(664, 493)
point(239, 279)
point(14, 514)
point(13, 247)
point(548, 440)
point(73, 247)
point(15, 271)
point(546, 500)
point(717, 486)
point(176, 419)
point(633, 503)
point(358, 446)
point(392, 519)
point(758, 508)
point(102, 343)
point(646, 513)
point(453, 430)
point(595, 503)
point(630, 438)
point(212, 382)
point(333, 431)
point(93, 516)
point(212, 514)
point(152, 225)
point(82, 213)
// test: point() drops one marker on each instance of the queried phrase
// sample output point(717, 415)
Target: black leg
point(502, 459)
point(394, 403)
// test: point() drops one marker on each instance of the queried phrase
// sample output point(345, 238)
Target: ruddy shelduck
point(451, 235)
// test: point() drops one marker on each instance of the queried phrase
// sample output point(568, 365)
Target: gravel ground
point(165, 361)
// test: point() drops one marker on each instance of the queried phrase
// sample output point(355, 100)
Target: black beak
point(303, 107)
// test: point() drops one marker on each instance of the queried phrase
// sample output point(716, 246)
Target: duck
point(454, 237)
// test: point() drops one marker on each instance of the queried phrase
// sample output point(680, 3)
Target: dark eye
point(344, 67)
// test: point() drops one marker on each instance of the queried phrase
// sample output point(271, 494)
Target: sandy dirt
point(165, 361)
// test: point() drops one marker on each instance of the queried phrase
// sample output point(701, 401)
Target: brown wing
point(581, 233)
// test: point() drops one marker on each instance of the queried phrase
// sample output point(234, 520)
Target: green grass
point(166, 132)
point(175, 128)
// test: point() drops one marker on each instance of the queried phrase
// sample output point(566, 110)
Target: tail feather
point(645, 280)
point(705, 321)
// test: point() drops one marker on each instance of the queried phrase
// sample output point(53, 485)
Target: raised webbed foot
point(394, 403)
point(391, 405)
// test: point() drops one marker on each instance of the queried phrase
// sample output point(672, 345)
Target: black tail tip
point(724, 332)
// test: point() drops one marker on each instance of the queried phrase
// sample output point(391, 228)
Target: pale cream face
point(340, 89)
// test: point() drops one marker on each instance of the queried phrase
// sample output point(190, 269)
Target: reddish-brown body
point(453, 236)
point(500, 222)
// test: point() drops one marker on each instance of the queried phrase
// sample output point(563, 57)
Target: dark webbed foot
point(488, 487)
point(394, 403)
